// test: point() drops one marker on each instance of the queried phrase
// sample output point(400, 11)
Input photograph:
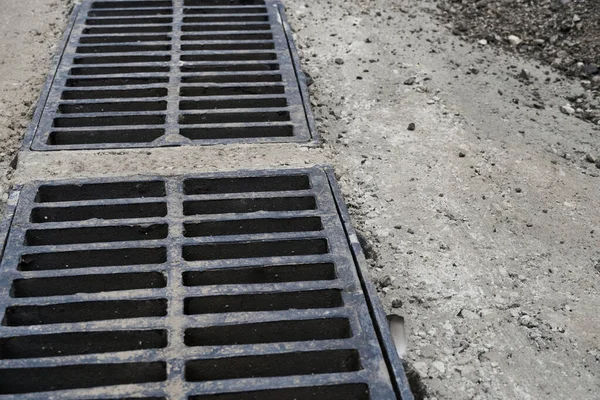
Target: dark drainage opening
point(76, 343)
point(131, 4)
point(27, 380)
point(237, 132)
point(235, 103)
point(43, 237)
point(109, 211)
point(113, 107)
point(271, 365)
point(279, 248)
point(104, 136)
point(328, 298)
point(92, 258)
point(223, 2)
point(68, 285)
point(252, 226)
point(230, 67)
point(246, 184)
point(269, 332)
point(189, 91)
point(84, 311)
point(248, 205)
point(117, 190)
point(352, 391)
point(115, 120)
point(261, 274)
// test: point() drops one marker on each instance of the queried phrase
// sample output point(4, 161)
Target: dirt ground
point(483, 216)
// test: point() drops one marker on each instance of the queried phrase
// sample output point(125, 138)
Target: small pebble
point(411, 126)
point(339, 61)
point(461, 154)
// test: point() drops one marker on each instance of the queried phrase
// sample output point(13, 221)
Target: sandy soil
point(483, 219)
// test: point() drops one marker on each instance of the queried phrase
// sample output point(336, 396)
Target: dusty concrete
point(484, 217)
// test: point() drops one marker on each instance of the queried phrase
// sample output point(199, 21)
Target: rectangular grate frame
point(155, 73)
point(231, 285)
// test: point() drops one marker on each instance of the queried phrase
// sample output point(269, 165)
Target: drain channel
point(218, 286)
point(162, 73)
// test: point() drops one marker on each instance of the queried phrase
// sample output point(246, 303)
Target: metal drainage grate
point(222, 286)
point(147, 73)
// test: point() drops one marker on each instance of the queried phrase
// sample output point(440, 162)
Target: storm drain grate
point(147, 73)
point(219, 286)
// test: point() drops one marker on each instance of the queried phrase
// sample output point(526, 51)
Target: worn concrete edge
point(401, 385)
point(41, 103)
point(301, 77)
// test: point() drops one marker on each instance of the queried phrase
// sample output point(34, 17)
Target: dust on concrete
point(29, 33)
point(483, 215)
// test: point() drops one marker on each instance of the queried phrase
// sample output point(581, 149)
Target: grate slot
point(124, 39)
point(83, 108)
point(78, 343)
point(96, 191)
point(128, 21)
point(113, 94)
point(229, 36)
point(235, 78)
point(269, 332)
point(26, 380)
point(131, 4)
point(123, 49)
point(131, 13)
point(128, 29)
point(85, 82)
point(353, 391)
point(273, 248)
point(223, 2)
point(246, 184)
point(272, 102)
point(228, 67)
point(238, 132)
point(329, 298)
point(252, 226)
point(188, 91)
point(69, 285)
point(118, 70)
point(115, 120)
point(110, 211)
point(225, 27)
point(227, 18)
point(44, 237)
point(272, 365)
point(212, 118)
point(248, 45)
point(84, 311)
point(261, 274)
point(92, 258)
point(255, 56)
point(121, 59)
point(225, 10)
point(249, 205)
point(104, 136)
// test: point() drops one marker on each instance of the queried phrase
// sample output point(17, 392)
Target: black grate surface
point(218, 286)
point(146, 73)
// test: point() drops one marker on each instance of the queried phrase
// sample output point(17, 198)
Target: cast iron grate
point(238, 285)
point(147, 73)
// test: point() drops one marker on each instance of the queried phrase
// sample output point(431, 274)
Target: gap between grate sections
point(238, 285)
point(150, 73)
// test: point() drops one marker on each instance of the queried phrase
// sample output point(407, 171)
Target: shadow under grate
point(239, 285)
point(148, 73)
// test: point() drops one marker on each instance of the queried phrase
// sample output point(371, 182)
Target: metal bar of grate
point(150, 73)
point(237, 285)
